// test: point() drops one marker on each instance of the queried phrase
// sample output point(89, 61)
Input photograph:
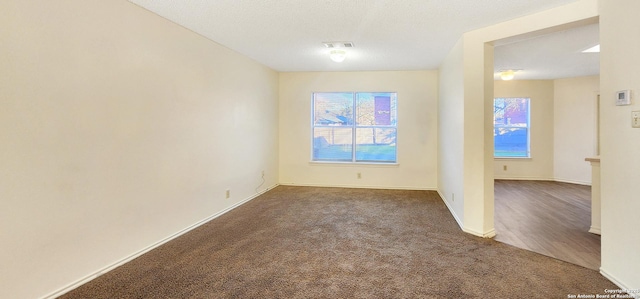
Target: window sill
point(351, 164)
point(512, 158)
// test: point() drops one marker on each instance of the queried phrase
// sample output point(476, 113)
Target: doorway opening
point(543, 202)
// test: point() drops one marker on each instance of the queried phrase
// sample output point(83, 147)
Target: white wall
point(451, 132)
point(574, 128)
point(540, 165)
point(620, 143)
point(417, 129)
point(119, 129)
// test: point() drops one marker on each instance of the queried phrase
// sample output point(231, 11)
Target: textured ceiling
point(551, 56)
point(287, 35)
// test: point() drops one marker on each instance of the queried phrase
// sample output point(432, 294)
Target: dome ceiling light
point(507, 75)
point(338, 51)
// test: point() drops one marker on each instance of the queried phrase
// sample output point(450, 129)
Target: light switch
point(635, 119)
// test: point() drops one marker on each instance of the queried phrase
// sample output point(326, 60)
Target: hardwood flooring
point(549, 218)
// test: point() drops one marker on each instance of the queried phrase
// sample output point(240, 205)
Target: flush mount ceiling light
point(338, 53)
point(507, 75)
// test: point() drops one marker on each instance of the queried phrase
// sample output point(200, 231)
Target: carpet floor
point(307, 242)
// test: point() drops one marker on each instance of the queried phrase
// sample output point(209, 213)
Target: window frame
point(527, 128)
point(354, 127)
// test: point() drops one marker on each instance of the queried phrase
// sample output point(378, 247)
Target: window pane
point(376, 109)
point(332, 144)
point(513, 112)
point(511, 127)
point(375, 145)
point(511, 142)
point(372, 125)
point(333, 109)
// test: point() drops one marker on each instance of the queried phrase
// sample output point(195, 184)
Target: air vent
point(338, 44)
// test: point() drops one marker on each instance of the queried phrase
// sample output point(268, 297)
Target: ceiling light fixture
point(507, 75)
point(338, 55)
point(338, 51)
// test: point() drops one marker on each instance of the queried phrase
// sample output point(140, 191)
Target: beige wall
point(620, 143)
point(574, 128)
point(540, 165)
point(451, 132)
point(417, 130)
point(119, 129)
point(563, 129)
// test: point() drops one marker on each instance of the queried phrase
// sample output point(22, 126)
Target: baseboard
point(542, 179)
point(123, 261)
point(622, 286)
point(595, 230)
point(451, 210)
point(572, 182)
point(487, 235)
point(515, 178)
point(359, 187)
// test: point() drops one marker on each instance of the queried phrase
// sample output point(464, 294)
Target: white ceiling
point(287, 35)
point(551, 56)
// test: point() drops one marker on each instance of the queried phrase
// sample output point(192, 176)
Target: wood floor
point(549, 218)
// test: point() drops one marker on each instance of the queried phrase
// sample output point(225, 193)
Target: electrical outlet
point(453, 197)
point(228, 193)
point(504, 167)
point(635, 119)
point(359, 175)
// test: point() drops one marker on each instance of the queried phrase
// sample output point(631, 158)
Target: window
point(511, 127)
point(354, 127)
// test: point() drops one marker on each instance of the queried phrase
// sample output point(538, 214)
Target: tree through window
point(354, 127)
point(511, 127)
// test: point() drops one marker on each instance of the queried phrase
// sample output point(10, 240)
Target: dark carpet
point(304, 242)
